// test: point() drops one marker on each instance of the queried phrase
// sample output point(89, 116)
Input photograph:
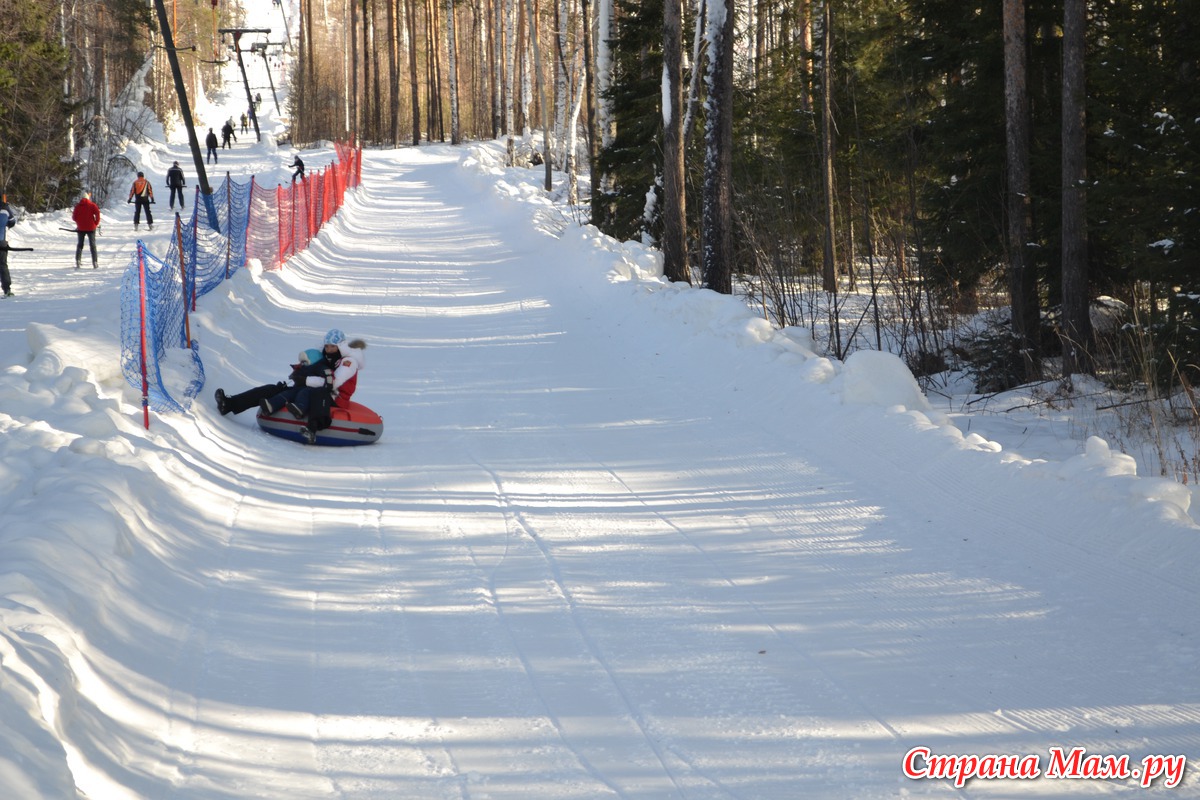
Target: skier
point(141, 194)
point(87, 220)
point(210, 142)
point(299, 165)
point(8, 218)
point(176, 182)
point(227, 134)
point(245, 124)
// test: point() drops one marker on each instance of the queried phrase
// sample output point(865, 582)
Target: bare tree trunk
point(437, 123)
point(806, 47)
point(829, 272)
point(309, 67)
point(526, 35)
point(1076, 325)
point(717, 214)
point(452, 64)
point(1022, 282)
point(393, 74)
point(511, 11)
point(377, 82)
point(562, 101)
point(495, 43)
point(410, 13)
point(589, 83)
point(539, 77)
point(674, 243)
point(693, 94)
point(297, 98)
point(355, 118)
point(571, 166)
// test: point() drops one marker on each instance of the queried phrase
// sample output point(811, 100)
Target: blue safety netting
point(156, 356)
point(199, 258)
point(159, 357)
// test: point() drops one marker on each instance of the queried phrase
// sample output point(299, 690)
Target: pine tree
point(632, 160)
point(34, 115)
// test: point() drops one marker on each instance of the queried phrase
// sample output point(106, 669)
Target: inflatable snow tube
point(354, 425)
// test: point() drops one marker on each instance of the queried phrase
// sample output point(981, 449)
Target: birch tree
point(510, 58)
point(452, 65)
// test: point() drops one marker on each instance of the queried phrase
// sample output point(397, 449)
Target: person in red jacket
point(87, 219)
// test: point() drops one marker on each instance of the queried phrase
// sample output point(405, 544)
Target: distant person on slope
point(87, 219)
point(8, 218)
point(210, 142)
point(299, 165)
point(141, 194)
point(227, 134)
point(176, 182)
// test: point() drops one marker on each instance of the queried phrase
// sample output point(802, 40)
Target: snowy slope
point(619, 539)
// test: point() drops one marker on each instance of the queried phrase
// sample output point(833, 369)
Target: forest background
point(878, 172)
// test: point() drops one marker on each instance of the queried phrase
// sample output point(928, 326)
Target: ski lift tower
point(261, 49)
point(237, 46)
point(185, 111)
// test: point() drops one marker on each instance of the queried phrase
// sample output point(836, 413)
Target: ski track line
point(434, 723)
point(436, 754)
point(510, 510)
point(717, 569)
point(193, 657)
point(527, 666)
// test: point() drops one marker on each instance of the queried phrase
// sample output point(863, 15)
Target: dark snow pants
point(140, 203)
point(237, 403)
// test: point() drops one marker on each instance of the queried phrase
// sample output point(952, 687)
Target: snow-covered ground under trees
point(620, 538)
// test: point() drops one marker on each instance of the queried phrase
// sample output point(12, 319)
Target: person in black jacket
point(176, 182)
point(210, 142)
point(8, 218)
point(310, 363)
point(299, 165)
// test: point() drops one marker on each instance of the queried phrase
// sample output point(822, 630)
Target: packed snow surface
point(620, 538)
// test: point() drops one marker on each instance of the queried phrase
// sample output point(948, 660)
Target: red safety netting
point(285, 219)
